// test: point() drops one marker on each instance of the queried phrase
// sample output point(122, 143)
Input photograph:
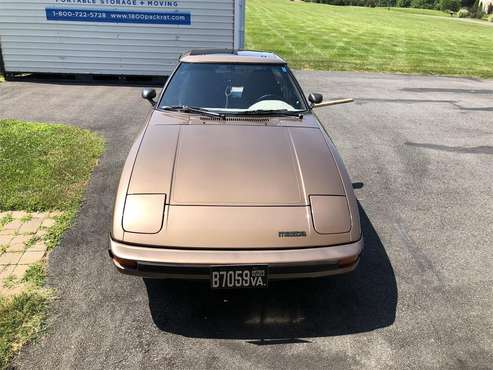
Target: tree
point(403, 3)
point(453, 5)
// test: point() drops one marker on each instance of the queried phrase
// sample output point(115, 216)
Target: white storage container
point(114, 37)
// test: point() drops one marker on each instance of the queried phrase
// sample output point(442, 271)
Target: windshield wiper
point(187, 109)
point(269, 112)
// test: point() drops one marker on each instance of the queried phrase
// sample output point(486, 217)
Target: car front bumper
point(194, 264)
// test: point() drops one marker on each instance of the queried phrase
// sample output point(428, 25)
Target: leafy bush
point(453, 5)
point(370, 3)
point(403, 3)
point(472, 8)
point(477, 10)
point(463, 13)
point(388, 2)
point(423, 4)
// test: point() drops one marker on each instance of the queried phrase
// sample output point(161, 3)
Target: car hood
point(235, 165)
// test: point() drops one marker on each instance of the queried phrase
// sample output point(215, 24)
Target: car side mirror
point(149, 94)
point(358, 185)
point(315, 98)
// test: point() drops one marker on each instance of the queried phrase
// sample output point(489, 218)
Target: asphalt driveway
point(422, 297)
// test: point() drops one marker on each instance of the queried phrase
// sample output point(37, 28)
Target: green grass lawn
point(22, 319)
point(43, 167)
point(344, 38)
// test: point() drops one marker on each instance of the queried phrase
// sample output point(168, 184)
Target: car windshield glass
point(233, 88)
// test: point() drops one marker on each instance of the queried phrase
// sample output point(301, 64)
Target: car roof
point(230, 56)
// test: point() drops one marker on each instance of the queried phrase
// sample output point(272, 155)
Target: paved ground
point(21, 246)
point(421, 297)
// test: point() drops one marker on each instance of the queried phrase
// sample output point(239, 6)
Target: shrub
point(423, 4)
point(479, 14)
point(370, 3)
point(453, 5)
point(477, 10)
point(403, 3)
point(463, 13)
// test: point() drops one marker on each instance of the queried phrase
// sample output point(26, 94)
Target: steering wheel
point(268, 97)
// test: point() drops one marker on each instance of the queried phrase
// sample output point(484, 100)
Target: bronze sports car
point(234, 180)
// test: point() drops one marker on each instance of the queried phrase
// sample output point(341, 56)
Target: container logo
point(118, 16)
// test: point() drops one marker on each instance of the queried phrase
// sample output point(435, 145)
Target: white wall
point(31, 43)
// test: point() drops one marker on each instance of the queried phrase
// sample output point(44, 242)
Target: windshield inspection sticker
point(236, 91)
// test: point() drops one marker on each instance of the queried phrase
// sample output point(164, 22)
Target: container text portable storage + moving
point(113, 37)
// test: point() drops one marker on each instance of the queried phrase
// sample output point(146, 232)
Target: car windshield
point(227, 87)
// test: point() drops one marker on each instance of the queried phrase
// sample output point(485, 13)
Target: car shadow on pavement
point(361, 301)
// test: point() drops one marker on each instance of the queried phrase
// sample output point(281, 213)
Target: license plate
point(232, 277)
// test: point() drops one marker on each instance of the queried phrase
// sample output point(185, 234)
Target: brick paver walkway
point(21, 245)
